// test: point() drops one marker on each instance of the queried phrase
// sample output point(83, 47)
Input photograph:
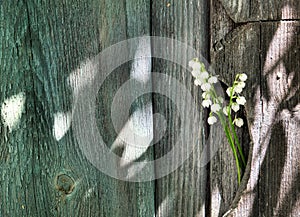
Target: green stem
point(234, 132)
point(237, 141)
point(231, 143)
point(229, 135)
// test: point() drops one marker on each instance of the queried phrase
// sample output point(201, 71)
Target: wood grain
point(42, 43)
point(183, 192)
point(256, 10)
point(264, 51)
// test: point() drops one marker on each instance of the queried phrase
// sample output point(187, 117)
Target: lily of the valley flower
point(211, 120)
point(195, 64)
point(196, 73)
point(228, 91)
point(206, 103)
point(241, 100)
point(238, 88)
point(213, 80)
point(205, 95)
point(197, 82)
point(235, 107)
point(238, 122)
point(215, 108)
point(206, 86)
point(214, 102)
point(241, 84)
point(243, 77)
point(203, 75)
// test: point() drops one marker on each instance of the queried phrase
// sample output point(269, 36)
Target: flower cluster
point(210, 98)
point(215, 103)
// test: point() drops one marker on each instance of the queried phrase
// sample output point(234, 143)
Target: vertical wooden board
point(268, 53)
point(44, 43)
point(124, 20)
point(279, 180)
point(181, 193)
point(256, 10)
point(14, 92)
point(224, 40)
point(238, 54)
point(220, 25)
point(223, 172)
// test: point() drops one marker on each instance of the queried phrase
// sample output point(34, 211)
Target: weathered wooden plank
point(43, 43)
point(279, 187)
point(268, 53)
point(220, 25)
point(223, 173)
point(238, 54)
point(183, 192)
point(257, 10)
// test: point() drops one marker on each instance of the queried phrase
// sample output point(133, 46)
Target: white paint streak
point(11, 110)
point(62, 123)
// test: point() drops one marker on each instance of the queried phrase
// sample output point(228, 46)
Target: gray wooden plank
point(243, 43)
point(267, 52)
point(183, 192)
point(278, 187)
point(256, 10)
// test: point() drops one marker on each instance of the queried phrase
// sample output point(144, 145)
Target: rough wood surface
point(183, 192)
point(269, 53)
point(42, 43)
point(241, 11)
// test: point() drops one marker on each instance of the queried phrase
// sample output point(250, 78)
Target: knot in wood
point(65, 183)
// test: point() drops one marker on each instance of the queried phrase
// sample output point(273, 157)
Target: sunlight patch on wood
point(11, 110)
point(288, 12)
point(135, 136)
point(201, 213)
point(216, 201)
point(84, 75)
point(62, 123)
point(141, 66)
point(165, 207)
point(283, 36)
point(296, 208)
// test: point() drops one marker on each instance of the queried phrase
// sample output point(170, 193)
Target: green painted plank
point(44, 43)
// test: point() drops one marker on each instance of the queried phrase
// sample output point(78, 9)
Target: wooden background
point(44, 42)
